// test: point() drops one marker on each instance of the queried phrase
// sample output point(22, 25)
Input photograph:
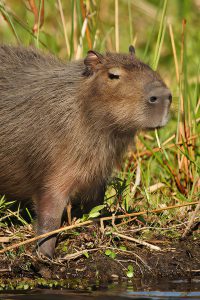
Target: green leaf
point(130, 268)
point(129, 274)
point(97, 208)
point(86, 254)
point(26, 286)
point(64, 248)
point(94, 213)
point(130, 271)
point(110, 253)
point(85, 217)
point(122, 247)
point(107, 252)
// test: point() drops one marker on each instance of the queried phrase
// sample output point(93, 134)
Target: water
point(178, 290)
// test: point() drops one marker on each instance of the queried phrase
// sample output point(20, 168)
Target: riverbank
point(87, 256)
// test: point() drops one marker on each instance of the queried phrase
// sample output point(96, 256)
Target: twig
point(159, 228)
point(127, 221)
point(168, 140)
point(45, 235)
point(137, 181)
point(152, 247)
point(149, 211)
point(194, 271)
point(188, 228)
point(4, 239)
point(102, 228)
point(155, 187)
point(77, 254)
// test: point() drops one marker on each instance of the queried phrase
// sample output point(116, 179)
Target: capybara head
point(127, 92)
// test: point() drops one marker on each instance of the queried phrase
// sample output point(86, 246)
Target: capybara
point(65, 126)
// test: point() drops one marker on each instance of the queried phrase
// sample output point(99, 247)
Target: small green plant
point(110, 253)
point(123, 248)
point(130, 271)
point(94, 213)
point(86, 254)
point(4, 204)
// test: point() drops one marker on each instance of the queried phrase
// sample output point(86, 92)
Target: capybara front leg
point(49, 214)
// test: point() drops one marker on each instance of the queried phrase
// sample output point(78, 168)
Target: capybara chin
point(65, 126)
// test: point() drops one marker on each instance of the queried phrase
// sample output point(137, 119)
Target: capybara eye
point(113, 76)
point(153, 99)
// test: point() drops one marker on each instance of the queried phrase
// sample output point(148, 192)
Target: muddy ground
point(87, 256)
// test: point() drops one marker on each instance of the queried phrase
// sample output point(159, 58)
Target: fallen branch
point(152, 247)
point(148, 211)
point(77, 254)
point(45, 235)
point(127, 221)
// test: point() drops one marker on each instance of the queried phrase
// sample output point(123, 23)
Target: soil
point(102, 258)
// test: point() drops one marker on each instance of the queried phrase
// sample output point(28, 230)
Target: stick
point(77, 254)
point(148, 211)
point(65, 228)
point(152, 247)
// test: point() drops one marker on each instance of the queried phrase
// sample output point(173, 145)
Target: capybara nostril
point(170, 98)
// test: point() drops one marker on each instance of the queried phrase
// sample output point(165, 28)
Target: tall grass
point(164, 168)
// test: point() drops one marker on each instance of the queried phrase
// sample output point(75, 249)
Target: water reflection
point(178, 290)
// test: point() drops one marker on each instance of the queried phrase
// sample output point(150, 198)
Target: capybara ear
point(92, 59)
point(131, 50)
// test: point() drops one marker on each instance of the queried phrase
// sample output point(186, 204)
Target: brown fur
point(64, 127)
